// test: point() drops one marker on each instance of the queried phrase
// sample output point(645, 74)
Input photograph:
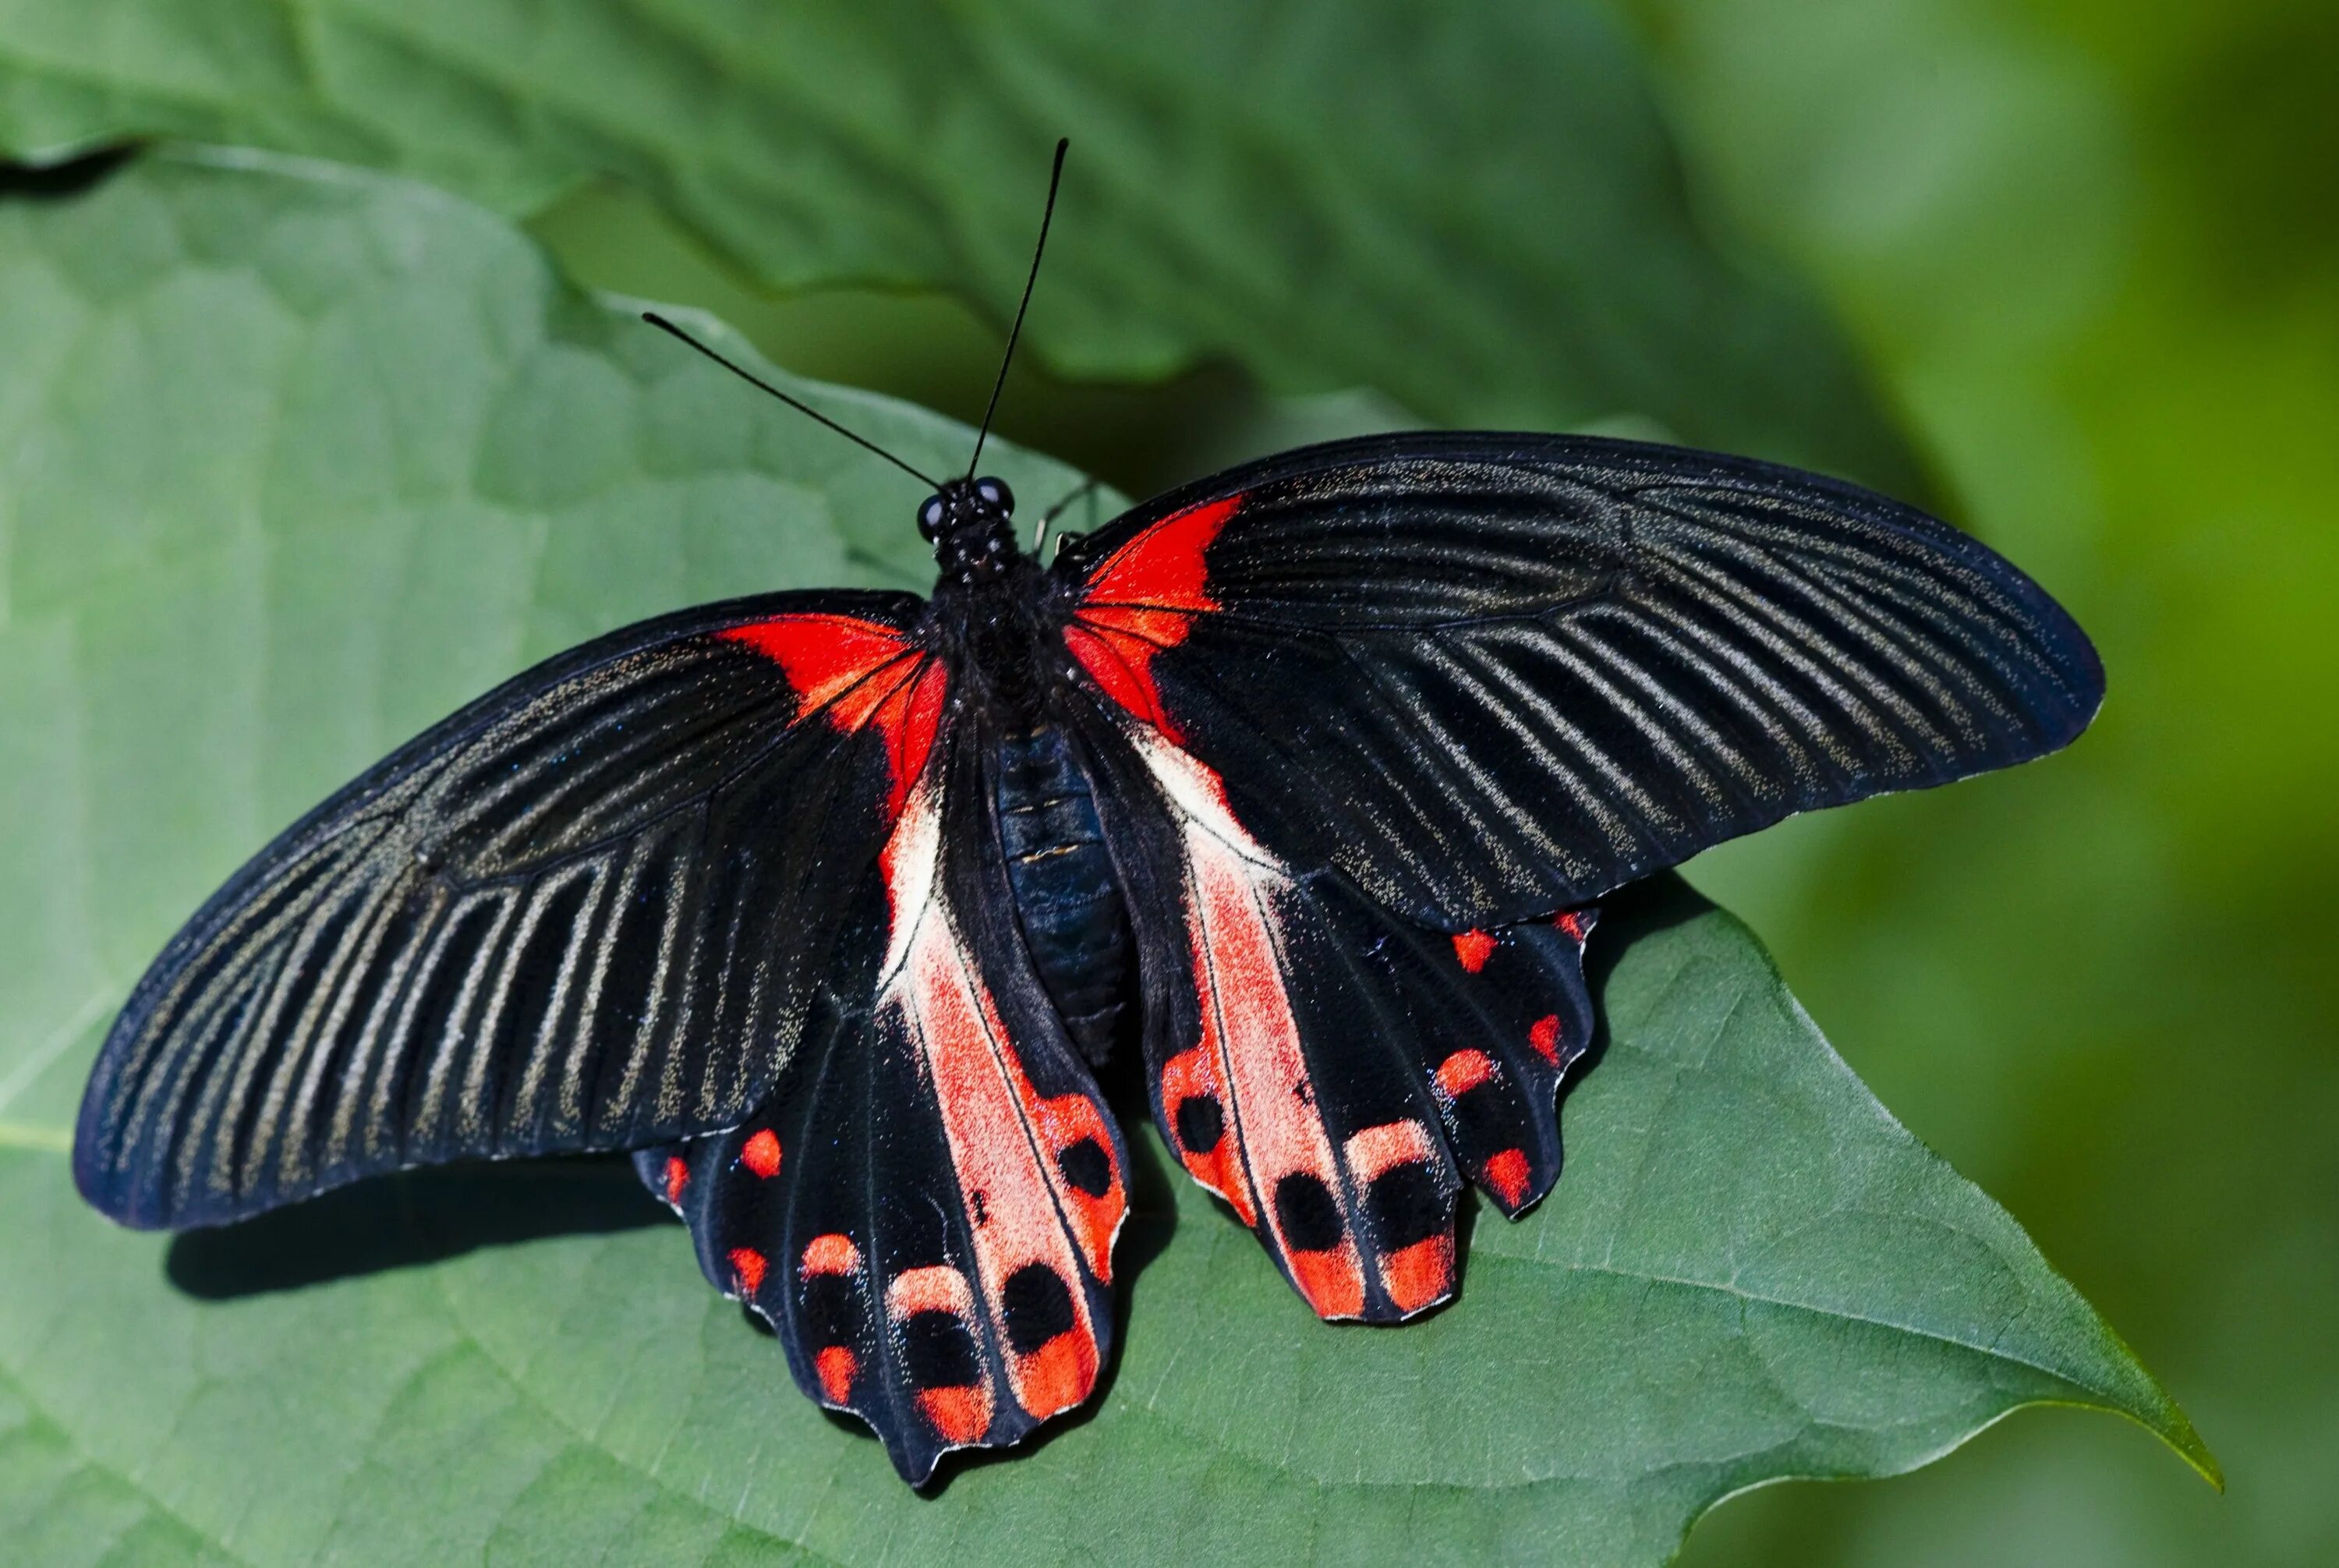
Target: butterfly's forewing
point(589, 910)
point(926, 1206)
point(1489, 676)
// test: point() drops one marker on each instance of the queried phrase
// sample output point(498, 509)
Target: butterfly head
point(971, 523)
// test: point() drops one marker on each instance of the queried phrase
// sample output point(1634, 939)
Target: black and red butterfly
point(1302, 778)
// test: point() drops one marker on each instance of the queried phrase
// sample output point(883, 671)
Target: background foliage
point(2082, 273)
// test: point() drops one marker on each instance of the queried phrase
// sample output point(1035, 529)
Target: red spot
point(677, 1176)
point(1376, 1149)
point(830, 1254)
point(1509, 1174)
point(835, 1367)
point(961, 1415)
point(1544, 1035)
point(1144, 598)
point(1463, 1071)
point(859, 672)
point(748, 1264)
point(1572, 923)
point(1191, 1075)
point(1058, 1374)
point(1329, 1280)
point(761, 1154)
point(1416, 1275)
point(937, 1287)
point(1473, 948)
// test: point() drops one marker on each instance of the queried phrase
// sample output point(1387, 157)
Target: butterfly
point(1302, 781)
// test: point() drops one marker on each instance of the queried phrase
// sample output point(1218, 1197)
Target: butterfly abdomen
point(1066, 900)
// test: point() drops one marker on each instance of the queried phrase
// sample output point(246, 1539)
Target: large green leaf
point(290, 462)
point(1473, 208)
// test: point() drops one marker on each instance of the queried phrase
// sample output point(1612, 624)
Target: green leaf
point(1475, 210)
point(290, 463)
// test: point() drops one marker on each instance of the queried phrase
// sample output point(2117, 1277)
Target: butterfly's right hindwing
point(589, 911)
point(1334, 1073)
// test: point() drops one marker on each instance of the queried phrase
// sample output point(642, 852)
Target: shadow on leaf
point(56, 182)
point(414, 1218)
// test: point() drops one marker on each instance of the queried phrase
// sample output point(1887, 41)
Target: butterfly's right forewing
point(1492, 675)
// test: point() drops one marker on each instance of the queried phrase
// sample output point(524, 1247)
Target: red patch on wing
point(1143, 598)
point(835, 1367)
point(1058, 1374)
point(1416, 1275)
point(1192, 1075)
point(936, 1287)
point(1249, 1028)
point(1376, 1149)
point(1007, 1145)
point(1508, 1171)
point(761, 1154)
point(859, 672)
point(1572, 923)
point(748, 1264)
point(1473, 948)
point(1419, 1274)
point(1463, 1071)
point(830, 1254)
point(1329, 1280)
point(961, 1415)
point(677, 1176)
point(1544, 1035)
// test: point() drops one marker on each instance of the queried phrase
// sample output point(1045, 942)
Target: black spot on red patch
point(937, 1351)
point(1308, 1214)
point(1038, 1306)
point(1087, 1167)
point(1201, 1124)
point(1406, 1206)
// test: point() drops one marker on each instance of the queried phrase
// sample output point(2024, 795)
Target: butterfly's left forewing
point(926, 1206)
point(587, 911)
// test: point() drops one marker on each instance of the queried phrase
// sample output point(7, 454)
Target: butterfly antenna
point(663, 325)
point(1055, 178)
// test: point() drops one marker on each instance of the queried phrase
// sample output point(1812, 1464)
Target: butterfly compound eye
point(995, 493)
point(930, 518)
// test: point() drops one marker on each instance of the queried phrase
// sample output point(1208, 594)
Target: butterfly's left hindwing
point(925, 1208)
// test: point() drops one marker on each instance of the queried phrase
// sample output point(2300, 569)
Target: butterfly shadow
point(56, 182)
point(408, 1219)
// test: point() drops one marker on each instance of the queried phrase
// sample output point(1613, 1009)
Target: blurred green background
point(2089, 255)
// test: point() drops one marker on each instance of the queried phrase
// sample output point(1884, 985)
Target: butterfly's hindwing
point(930, 1226)
point(1332, 1072)
point(1494, 676)
point(587, 911)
